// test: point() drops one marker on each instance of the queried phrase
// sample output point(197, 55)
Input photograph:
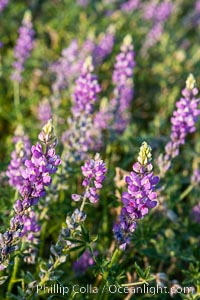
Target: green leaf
point(139, 271)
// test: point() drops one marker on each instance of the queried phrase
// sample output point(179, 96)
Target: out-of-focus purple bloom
point(153, 36)
point(104, 47)
point(36, 176)
point(21, 153)
point(3, 4)
point(197, 6)
point(94, 172)
point(194, 18)
point(62, 68)
point(79, 137)
point(86, 90)
point(44, 112)
point(67, 67)
point(1, 45)
point(196, 213)
point(183, 122)
point(116, 115)
point(130, 5)
point(139, 198)
point(158, 14)
point(84, 262)
point(23, 47)
point(83, 3)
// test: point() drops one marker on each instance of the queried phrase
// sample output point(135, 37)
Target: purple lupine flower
point(3, 4)
point(62, 68)
point(116, 113)
point(183, 122)
point(130, 5)
point(195, 179)
point(195, 215)
point(158, 14)
point(104, 47)
point(82, 3)
point(86, 90)
point(30, 226)
point(44, 111)
point(84, 262)
point(37, 175)
point(139, 198)
point(153, 36)
point(94, 172)
point(194, 17)
point(21, 153)
point(78, 138)
point(68, 66)
point(23, 47)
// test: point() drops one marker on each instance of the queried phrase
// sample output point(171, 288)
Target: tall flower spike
point(36, 175)
point(86, 90)
point(139, 198)
point(183, 123)
point(116, 114)
point(78, 138)
point(23, 47)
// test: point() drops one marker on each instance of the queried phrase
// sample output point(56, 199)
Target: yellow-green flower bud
point(190, 82)
point(145, 154)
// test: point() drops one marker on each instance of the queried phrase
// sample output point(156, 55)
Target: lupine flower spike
point(23, 47)
point(139, 198)
point(36, 176)
point(183, 123)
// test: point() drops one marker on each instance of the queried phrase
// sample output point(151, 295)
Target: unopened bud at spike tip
point(190, 82)
point(145, 154)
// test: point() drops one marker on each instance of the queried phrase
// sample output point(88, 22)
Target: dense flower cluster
point(115, 115)
point(84, 262)
point(23, 47)
point(139, 198)
point(36, 175)
point(183, 122)
point(158, 14)
point(3, 4)
point(21, 153)
point(104, 47)
point(86, 90)
point(94, 172)
point(79, 135)
point(130, 5)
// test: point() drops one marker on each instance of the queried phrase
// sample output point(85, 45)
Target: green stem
point(17, 102)
point(115, 257)
point(84, 199)
point(186, 192)
point(14, 273)
point(137, 283)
